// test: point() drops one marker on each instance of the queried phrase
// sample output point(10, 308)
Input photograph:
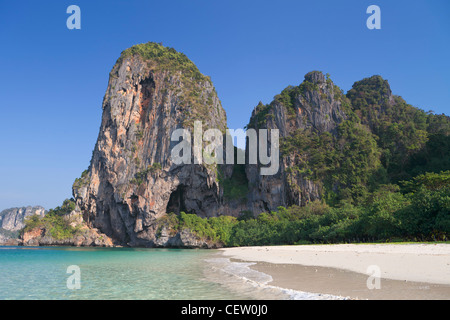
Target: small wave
point(240, 277)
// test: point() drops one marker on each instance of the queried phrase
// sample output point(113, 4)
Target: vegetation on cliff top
point(287, 98)
point(164, 58)
point(401, 129)
point(81, 181)
point(192, 93)
point(382, 172)
point(54, 223)
point(384, 140)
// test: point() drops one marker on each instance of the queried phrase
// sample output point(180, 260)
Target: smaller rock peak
point(315, 77)
point(375, 85)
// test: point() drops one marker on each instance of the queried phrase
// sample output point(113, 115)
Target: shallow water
point(108, 273)
point(127, 273)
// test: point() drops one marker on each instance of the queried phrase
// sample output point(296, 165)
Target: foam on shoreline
point(428, 263)
point(238, 276)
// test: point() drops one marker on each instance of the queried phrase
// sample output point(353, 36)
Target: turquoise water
point(108, 273)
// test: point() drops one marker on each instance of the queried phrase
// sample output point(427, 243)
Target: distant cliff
point(12, 221)
point(62, 226)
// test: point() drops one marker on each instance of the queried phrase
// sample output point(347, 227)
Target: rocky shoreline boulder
point(83, 237)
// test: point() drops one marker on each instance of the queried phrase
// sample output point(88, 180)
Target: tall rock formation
point(332, 147)
point(132, 180)
point(315, 107)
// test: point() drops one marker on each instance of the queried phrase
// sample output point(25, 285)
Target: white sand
point(411, 262)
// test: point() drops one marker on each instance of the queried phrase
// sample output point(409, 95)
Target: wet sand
point(348, 284)
point(408, 271)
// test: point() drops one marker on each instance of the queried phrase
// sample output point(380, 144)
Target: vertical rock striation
point(132, 180)
point(316, 106)
point(13, 219)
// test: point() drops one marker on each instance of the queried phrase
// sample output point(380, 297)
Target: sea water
point(106, 273)
point(130, 273)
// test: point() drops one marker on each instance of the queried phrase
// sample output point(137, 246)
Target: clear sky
point(53, 79)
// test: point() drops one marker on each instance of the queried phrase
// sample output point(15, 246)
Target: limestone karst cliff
point(316, 106)
point(334, 147)
point(12, 221)
point(132, 180)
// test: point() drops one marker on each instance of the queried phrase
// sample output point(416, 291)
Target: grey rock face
point(182, 239)
point(13, 219)
point(132, 180)
point(315, 106)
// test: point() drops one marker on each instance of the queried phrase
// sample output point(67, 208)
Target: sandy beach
point(408, 271)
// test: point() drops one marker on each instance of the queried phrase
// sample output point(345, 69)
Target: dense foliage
point(165, 58)
point(410, 140)
point(346, 163)
point(419, 212)
point(215, 229)
point(55, 222)
point(382, 141)
point(382, 172)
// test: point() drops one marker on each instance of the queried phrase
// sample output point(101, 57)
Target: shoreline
point(408, 271)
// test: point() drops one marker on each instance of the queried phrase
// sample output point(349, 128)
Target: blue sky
point(53, 79)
